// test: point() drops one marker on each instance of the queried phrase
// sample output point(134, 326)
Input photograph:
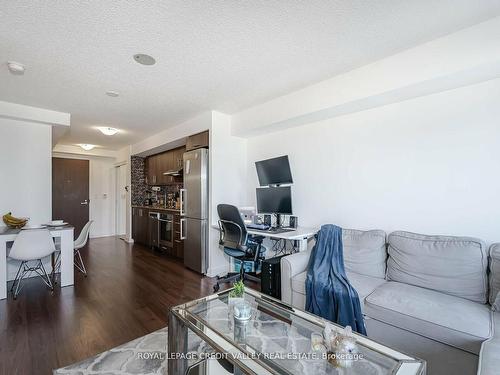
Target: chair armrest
point(489, 356)
point(292, 265)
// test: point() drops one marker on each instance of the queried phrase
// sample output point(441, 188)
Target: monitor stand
point(278, 222)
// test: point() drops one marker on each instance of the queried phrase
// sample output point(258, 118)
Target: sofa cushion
point(452, 265)
point(495, 275)
point(365, 252)
point(448, 319)
point(489, 357)
point(364, 285)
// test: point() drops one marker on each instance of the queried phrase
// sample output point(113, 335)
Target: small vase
point(242, 311)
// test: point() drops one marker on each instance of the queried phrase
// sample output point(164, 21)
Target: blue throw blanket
point(328, 291)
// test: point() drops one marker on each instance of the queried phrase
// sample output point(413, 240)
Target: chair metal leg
point(39, 269)
point(17, 275)
point(79, 262)
point(45, 277)
point(17, 282)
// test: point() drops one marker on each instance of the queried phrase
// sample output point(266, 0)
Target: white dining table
point(64, 233)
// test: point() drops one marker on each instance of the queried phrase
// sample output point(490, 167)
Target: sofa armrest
point(489, 356)
point(292, 265)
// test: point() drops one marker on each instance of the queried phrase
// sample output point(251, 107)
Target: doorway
point(70, 192)
point(121, 201)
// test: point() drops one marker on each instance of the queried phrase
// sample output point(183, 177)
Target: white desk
point(300, 234)
point(67, 258)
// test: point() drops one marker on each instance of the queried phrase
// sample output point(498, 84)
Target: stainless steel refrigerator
point(194, 210)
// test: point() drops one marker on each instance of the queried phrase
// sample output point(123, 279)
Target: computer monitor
point(274, 171)
point(274, 200)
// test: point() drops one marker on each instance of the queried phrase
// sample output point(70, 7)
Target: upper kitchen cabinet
point(169, 162)
point(195, 141)
point(179, 157)
point(165, 164)
point(151, 170)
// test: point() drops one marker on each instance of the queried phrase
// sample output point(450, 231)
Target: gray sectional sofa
point(429, 296)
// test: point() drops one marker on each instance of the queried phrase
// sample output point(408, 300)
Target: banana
point(14, 221)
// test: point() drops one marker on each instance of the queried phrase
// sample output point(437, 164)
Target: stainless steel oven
point(166, 230)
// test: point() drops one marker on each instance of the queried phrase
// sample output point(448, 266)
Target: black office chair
point(238, 244)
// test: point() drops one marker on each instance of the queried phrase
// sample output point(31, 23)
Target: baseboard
point(102, 235)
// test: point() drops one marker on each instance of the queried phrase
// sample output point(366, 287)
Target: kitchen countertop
point(176, 210)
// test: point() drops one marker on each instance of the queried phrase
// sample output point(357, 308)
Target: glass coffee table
point(275, 340)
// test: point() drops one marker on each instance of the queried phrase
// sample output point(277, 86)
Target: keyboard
point(258, 226)
point(280, 230)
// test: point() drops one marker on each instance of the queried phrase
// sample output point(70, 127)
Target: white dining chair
point(80, 242)
point(31, 246)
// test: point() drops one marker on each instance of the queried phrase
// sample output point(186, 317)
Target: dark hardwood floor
point(127, 294)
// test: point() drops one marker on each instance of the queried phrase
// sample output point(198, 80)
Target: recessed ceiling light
point(144, 59)
point(86, 146)
point(16, 68)
point(106, 130)
point(113, 94)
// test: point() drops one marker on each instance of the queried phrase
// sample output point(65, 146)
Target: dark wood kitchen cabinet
point(151, 170)
point(195, 141)
point(140, 225)
point(157, 165)
point(179, 157)
point(165, 164)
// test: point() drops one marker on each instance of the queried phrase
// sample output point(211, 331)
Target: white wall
point(463, 58)
point(25, 170)
point(227, 177)
point(123, 159)
point(102, 197)
point(25, 173)
point(427, 165)
point(121, 196)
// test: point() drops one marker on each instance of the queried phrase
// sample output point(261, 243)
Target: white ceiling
point(215, 54)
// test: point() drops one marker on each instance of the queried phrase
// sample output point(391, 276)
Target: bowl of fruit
point(14, 222)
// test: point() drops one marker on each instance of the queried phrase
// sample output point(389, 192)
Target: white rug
point(145, 355)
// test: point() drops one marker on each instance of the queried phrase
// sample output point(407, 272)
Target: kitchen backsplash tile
point(139, 188)
point(138, 182)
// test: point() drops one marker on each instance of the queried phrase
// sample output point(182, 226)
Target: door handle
point(182, 235)
point(183, 201)
point(85, 202)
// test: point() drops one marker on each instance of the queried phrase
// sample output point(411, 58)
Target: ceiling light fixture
point(86, 146)
point(113, 94)
point(144, 59)
point(106, 130)
point(16, 68)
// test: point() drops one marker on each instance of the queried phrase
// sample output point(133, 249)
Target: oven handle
point(182, 236)
point(166, 221)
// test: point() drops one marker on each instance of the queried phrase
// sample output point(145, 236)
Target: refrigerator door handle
point(182, 235)
point(183, 201)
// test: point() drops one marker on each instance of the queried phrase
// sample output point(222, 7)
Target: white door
point(121, 200)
